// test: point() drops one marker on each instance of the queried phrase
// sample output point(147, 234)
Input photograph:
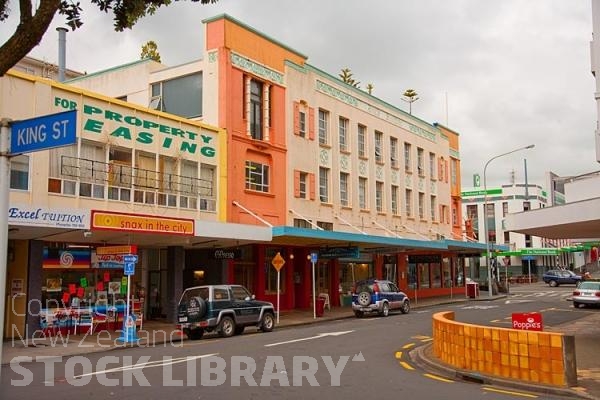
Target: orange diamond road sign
point(278, 261)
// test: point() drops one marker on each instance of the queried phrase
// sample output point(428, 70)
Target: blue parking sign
point(129, 269)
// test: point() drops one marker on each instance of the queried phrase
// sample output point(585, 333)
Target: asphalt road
point(346, 359)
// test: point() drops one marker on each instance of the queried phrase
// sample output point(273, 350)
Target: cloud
point(503, 74)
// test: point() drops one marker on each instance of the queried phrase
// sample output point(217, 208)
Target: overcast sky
point(504, 74)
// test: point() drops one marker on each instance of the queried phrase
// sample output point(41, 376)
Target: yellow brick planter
point(538, 357)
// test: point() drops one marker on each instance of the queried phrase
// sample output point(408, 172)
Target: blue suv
point(380, 296)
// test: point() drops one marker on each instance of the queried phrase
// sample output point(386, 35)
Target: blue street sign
point(130, 258)
point(129, 269)
point(313, 257)
point(43, 132)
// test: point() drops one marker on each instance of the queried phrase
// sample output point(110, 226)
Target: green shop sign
point(144, 131)
point(474, 193)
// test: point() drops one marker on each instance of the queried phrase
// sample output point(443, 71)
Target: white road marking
point(320, 335)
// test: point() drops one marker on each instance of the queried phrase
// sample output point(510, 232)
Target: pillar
point(175, 267)
point(34, 286)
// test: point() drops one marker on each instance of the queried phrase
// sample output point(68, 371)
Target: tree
point(150, 50)
point(33, 24)
point(410, 96)
point(345, 76)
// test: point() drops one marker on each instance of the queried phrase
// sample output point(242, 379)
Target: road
point(346, 359)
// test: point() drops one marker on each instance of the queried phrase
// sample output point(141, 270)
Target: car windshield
point(590, 285)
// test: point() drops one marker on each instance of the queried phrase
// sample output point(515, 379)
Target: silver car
point(586, 293)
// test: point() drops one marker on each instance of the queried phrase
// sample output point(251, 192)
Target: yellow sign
point(110, 250)
point(278, 261)
point(108, 220)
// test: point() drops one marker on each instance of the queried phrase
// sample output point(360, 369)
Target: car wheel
point(195, 334)
point(226, 327)
point(385, 310)
point(405, 307)
point(576, 304)
point(239, 330)
point(364, 299)
point(359, 314)
point(267, 323)
point(553, 283)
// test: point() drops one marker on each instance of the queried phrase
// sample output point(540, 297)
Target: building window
point(180, 96)
point(433, 206)
point(378, 147)
point(394, 152)
point(19, 172)
point(394, 196)
point(302, 223)
point(421, 205)
point(303, 185)
point(473, 218)
point(343, 134)
point(526, 206)
point(324, 184)
point(491, 222)
point(362, 193)
point(379, 196)
point(420, 162)
point(256, 106)
point(362, 151)
point(326, 226)
point(504, 208)
point(302, 123)
point(454, 171)
point(408, 202)
point(407, 160)
point(323, 127)
point(344, 189)
point(506, 237)
point(432, 165)
point(257, 176)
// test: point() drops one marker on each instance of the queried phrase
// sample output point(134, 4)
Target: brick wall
point(540, 357)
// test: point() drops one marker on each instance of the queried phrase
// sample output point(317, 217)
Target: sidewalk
point(159, 332)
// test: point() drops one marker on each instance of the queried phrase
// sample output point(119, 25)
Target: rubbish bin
point(320, 309)
point(472, 289)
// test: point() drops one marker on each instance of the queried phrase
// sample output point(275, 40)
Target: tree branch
point(28, 34)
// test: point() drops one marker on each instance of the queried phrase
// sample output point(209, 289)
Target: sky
point(503, 74)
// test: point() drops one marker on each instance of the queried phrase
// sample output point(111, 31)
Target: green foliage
point(150, 50)
point(346, 77)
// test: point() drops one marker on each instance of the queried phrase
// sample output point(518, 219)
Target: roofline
point(254, 30)
point(111, 69)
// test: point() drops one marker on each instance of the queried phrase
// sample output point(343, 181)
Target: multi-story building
point(342, 181)
point(526, 252)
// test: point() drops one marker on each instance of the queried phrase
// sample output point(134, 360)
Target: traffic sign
point(278, 261)
point(45, 132)
point(129, 269)
point(313, 257)
point(130, 258)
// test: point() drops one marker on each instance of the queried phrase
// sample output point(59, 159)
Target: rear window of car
point(194, 292)
point(364, 287)
point(590, 285)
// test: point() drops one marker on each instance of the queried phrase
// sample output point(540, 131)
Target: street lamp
point(485, 219)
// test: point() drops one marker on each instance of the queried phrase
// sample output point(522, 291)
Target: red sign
point(527, 321)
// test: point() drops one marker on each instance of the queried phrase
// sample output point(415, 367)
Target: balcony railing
point(121, 182)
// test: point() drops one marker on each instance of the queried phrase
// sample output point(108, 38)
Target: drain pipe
point(62, 52)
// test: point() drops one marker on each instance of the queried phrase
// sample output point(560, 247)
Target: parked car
point(227, 309)
point(555, 277)
point(587, 293)
point(378, 296)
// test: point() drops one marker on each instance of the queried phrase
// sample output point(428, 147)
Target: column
point(175, 267)
point(34, 286)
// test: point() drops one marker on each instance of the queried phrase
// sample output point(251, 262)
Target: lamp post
point(485, 219)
